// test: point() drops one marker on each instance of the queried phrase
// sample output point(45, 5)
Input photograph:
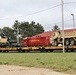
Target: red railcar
point(24, 41)
point(36, 41)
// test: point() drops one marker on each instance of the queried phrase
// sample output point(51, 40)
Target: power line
point(70, 3)
point(59, 22)
point(36, 12)
point(32, 13)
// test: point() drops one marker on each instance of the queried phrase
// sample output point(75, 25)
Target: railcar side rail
point(39, 48)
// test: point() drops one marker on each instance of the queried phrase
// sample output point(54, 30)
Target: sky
point(46, 12)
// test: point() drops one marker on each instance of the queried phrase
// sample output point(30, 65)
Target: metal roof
point(49, 33)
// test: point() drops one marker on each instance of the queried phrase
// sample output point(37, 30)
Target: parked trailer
point(36, 41)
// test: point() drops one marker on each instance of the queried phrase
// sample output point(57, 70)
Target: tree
point(0, 32)
point(27, 29)
point(9, 32)
point(21, 30)
point(56, 27)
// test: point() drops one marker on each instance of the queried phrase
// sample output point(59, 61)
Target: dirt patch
point(17, 70)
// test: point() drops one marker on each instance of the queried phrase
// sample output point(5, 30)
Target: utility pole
point(63, 25)
point(73, 22)
point(17, 34)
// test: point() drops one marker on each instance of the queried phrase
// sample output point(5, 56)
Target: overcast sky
point(11, 10)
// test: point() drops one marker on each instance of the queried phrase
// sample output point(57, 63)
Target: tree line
point(21, 29)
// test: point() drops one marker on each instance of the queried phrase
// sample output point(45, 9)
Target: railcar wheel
point(0, 50)
point(7, 51)
point(42, 49)
point(46, 50)
point(51, 50)
point(66, 50)
point(72, 42)
point(67, 42)
point(4, 51)
point(28, 50)
point(23, 51)
point(19, 49)
point(72, 50)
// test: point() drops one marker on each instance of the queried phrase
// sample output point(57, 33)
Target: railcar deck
point(39, 48)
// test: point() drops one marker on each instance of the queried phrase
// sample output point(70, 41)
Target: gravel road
point(18, 70)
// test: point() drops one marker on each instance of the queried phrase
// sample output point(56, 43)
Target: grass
point(62, 62)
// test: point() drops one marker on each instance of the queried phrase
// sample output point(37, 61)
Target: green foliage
point(6, 31)
point(22, 29)
point(56, 27)
point(27, 29)
point(62, 62)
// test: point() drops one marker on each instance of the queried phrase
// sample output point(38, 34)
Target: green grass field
point(62, 62)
